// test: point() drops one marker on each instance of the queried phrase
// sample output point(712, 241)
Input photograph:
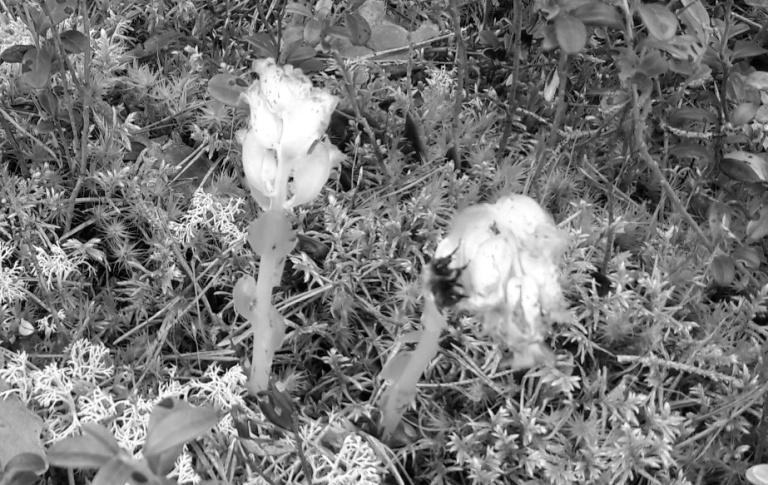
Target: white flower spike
point(505, 259)
point(285, 153)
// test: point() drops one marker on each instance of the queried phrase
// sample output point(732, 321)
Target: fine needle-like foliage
point(383, 241)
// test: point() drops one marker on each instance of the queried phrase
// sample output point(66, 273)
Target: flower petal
point(260, 167)
point(263, 123)
point(311, 173)
point(305, 122)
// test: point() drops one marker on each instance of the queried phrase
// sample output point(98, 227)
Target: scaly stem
point(403, 389)
point(267, 325)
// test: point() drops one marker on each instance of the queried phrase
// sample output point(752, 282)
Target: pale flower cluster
point(286, 157)
point(508, 255)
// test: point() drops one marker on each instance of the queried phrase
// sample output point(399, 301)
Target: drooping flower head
point(507, 255)
point(286, 157)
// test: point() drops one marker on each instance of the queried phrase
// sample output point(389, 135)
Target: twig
point(349, 86)
point(512, 98)
point(461, 67)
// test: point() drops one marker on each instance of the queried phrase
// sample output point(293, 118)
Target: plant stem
point(401, 391)
point(266, 323)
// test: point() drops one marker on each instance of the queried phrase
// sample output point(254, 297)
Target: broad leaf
point(19, 432)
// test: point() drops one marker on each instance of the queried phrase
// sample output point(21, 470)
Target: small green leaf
point(244, 295)
point(758, 80)
point(653, 64)
point(743, 49)
point(83, 451)
point(173, 422)
point(227, 89)
point(757, 229)
point(659, 20)
point(277, 407)
point(571, 33)
point(598, 14)
point(15, 53)
point(36, 68)
point(723, 270)
point(748, 256)
point(358, 28)
point(263, 44)
point(271, 232)
point(298, 8)
point(680, 117)
point(313, 31)
point(60, 10)
point(691, 149)
point(489, 38)
point(298, 52)
point(743, 113)
point(27, 462)
point(74, 42)
point(745, 166)
point(115, 472)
